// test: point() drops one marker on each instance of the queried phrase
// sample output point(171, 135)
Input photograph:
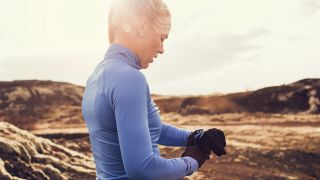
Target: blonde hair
point(156, 12)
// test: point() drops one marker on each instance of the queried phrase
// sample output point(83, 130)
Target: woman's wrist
point(194, 137)
point(192, 165)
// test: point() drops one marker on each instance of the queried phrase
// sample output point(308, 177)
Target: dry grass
point(259, 146)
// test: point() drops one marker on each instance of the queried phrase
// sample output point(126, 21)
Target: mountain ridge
point(24, 103)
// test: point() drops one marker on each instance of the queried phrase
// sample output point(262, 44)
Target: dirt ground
point(259, 146)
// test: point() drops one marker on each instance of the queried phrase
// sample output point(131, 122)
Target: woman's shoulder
point(131, 73)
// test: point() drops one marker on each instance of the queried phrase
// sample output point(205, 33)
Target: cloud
point(247, 43)
point(310, 7)
point(187, 57)
point(75, 69)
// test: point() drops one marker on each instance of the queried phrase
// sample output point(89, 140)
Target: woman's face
point(151, 44)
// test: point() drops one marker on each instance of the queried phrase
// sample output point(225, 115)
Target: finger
point(215, 138)
point(218, 150)
point(222, 137)
point(223, 151)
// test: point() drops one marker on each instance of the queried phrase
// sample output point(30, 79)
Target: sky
point(213, 47)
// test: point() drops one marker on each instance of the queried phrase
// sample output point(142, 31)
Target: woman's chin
point(145, 66)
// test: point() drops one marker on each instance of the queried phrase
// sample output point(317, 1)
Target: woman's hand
point(198, 154)
point(213, 139)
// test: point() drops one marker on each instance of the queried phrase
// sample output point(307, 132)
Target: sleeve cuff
point(192, 165)
point(188, 133)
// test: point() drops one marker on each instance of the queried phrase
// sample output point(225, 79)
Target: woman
point(123, 122)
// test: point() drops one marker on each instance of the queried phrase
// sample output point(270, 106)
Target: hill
point(58, 104)
point(301, 96)
point(25, 103)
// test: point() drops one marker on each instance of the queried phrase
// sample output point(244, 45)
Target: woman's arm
point(173, 136)
point(130, 107)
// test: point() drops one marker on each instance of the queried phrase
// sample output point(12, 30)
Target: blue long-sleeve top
point(124, 123)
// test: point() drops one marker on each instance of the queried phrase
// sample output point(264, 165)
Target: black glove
point(198, 154)
point(212, 138)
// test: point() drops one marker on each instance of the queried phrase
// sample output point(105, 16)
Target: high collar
point(123, 53)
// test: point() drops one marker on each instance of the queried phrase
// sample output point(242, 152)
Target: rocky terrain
point(259, 145)
point(25, 156)
point(272, 133)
